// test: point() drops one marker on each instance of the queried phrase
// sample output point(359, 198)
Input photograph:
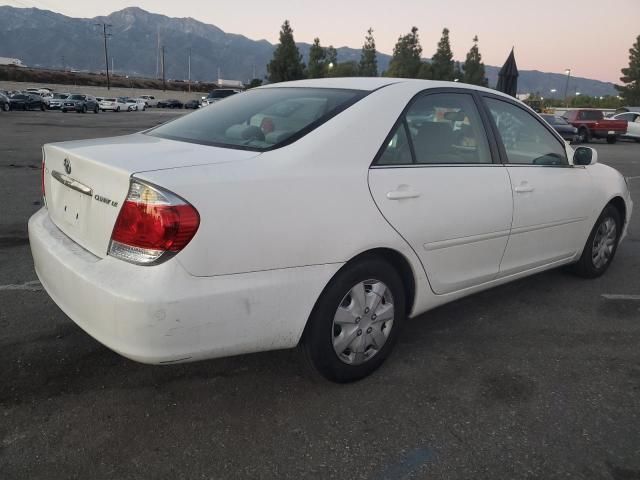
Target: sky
point(548, 35)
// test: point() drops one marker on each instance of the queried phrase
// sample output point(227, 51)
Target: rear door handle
point(402, 194)
point(524, 187)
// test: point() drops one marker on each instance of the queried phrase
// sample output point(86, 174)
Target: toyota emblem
point(67, 166)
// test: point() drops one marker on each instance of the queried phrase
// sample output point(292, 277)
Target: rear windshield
point(77, 97)
point(260, 119)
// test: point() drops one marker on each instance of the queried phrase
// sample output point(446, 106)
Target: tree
point(345, 69)
point(316, 67)
point(406, 59)
point(286, 63)
point(442, 61)
point(425, 72)
point(368, 66)
point(473, 67)
point(630, 92)
point(331, 60)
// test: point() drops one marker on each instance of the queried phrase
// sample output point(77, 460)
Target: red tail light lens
point(42, 179)
point(152, 226)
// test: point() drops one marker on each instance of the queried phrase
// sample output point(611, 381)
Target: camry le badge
point(67, 166)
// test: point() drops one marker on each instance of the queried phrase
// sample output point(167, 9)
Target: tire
point(117, 109)
point(583, 135)
point(64, 110)
point(589, 265)
point(327, 341)
point(84, 108)
point(96, 109)
point(612, 140)
point(24, 107)
point(6, 107)
point(42, 107)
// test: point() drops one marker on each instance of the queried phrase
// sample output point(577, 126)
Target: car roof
point(374, 83)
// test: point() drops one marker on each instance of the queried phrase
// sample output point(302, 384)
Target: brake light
point(42, 171)
point(152, 226)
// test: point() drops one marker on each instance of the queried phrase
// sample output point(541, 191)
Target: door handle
point(524, 187)
point(402, 194)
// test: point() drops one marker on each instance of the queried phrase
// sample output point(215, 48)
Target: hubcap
point(363, 321)
point(604, 242)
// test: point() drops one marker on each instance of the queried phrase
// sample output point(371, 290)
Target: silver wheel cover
point(363, 321)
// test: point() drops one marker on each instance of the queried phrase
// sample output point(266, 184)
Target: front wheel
point(96, 109)
point(117, 109)
point(355, 323)
point(601, 245)
point(6, 107)
point(612, 139)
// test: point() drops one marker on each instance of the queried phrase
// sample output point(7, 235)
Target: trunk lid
point(87, 181)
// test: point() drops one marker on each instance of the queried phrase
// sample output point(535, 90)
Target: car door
point(437, 180)
point(550, 197)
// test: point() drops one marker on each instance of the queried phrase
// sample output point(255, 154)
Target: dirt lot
point(536, 379)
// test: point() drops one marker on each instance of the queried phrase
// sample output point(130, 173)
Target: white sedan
point(633, 124)
point(136, 104)
point(114, 104)
point(317, 214)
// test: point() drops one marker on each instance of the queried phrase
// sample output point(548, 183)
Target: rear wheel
point(6, 107)
point(612, 139)
point(96, 109)
point(601, 245)
point(117, 109)
point(84, 108)
point(64, 110)
point(583, 135)
point(43, 107)
point(355, 322)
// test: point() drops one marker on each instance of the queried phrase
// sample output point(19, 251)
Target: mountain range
point(42, 38)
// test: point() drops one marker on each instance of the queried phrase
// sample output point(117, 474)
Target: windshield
point(555, 120)
point(76, 97)
point(110, 100)
point(261, 119)
point(60, 95)
point(19, 96)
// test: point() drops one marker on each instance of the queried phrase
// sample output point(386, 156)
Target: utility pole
point(566, 86)
point(106, 53)
point(164, 82)
point(189, 69)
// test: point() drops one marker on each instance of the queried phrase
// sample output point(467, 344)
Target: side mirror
point(585, 156)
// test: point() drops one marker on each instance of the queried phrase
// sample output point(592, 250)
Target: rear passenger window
point(525, 139)
point(442, 128)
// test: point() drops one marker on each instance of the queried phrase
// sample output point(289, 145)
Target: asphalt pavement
point(537, 379)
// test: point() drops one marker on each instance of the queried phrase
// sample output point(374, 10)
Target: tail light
point(152, 226)
point(42, 173)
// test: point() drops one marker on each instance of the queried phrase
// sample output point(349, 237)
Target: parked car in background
point(80, 103)
point(55, 103)
point(171, 103)
point(219, 94)
point(191, 248)
point(560, 125)
point(5, 104)
point(112, 104)
point(27, 101)
point(592, 124)
point(135, 104)
point(633, 124)
point(150, 100)
point(194, 104)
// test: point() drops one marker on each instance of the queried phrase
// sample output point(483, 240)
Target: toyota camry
point(318, 214)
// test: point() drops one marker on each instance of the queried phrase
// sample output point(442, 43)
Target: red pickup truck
point(592, 124)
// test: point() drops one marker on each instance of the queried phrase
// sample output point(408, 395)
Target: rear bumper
point(162, 314)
